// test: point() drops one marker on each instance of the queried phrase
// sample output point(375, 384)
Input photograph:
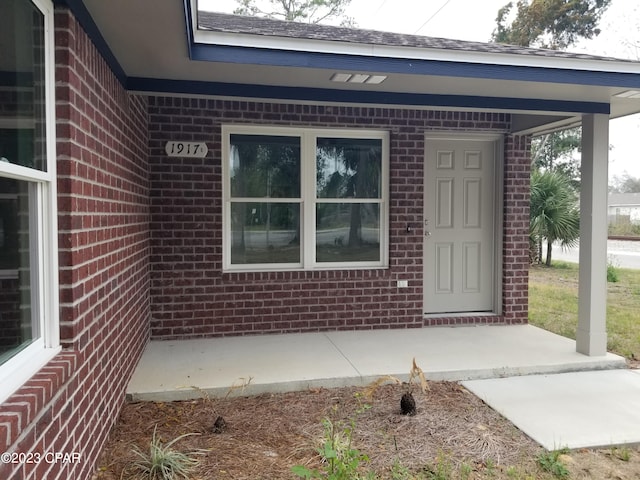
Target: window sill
point(317, 268)
point(23, 406)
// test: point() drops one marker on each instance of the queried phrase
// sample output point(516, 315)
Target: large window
point(304, 199)
point(28, 249)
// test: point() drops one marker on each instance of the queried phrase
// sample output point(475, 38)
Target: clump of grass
point(399, 471)
point(622, 453)
point(441, 469)
point(162, 462)
point(559, 265)
point(416, 375)
point(465, 471)
point(340, 459)
point(550, 462)
point(612, 273)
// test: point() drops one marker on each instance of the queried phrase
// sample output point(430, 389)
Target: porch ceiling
point(154, 48)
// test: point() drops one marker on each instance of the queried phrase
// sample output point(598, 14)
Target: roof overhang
point(166, 53)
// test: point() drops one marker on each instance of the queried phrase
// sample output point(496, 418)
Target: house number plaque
point(186, 149)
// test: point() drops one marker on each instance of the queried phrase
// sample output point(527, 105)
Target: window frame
point(308, 197)
point(44, 251)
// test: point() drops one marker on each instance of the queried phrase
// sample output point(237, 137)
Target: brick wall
point(192, 297)
point(515, 275)
point(71, 404)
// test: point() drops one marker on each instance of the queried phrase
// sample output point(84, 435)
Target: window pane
point(17, 231)
point(348, 168)
point(22, 112)
point(265, 166)
point(265, 233)
point(8, 224)
point(347, 232)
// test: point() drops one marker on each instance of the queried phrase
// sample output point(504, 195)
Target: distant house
point(170, 175)
point(624, 208)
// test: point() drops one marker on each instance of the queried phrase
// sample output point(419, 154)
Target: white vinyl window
point(29, 335)
point(298, 198)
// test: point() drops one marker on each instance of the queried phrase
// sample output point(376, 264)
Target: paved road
point(621, 253)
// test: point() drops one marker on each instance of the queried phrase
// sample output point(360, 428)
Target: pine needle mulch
point(264, 436)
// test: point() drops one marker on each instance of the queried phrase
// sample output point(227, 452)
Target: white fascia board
point(416, 53)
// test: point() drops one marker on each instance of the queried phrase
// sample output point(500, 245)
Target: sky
point(475, 20)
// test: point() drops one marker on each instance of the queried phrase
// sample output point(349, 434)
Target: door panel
point(459, 226)
point(444, 216)
point(444, 268)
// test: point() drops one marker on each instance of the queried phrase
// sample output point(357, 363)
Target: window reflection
point(265, 166)
point(22, 142)
point(17, 319)
point(348, 168)
point(265, 233)
point(22, 83)
point(347, 232)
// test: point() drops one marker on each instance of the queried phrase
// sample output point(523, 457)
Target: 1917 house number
point(186, 149)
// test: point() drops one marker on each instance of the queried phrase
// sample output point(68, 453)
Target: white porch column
point(591, 336)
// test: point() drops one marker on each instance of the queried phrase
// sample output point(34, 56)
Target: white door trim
point(498, 203)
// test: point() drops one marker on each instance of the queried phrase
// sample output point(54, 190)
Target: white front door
point(459, 225)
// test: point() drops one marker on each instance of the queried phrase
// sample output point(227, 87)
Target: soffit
point(149, 39)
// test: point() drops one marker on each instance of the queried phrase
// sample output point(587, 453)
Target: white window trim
point(308, 197)
point(22, 366)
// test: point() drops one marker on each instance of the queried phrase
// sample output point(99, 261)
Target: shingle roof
point(226, 23)
point(624, 199)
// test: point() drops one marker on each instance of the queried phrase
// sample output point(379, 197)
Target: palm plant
point(555, 215)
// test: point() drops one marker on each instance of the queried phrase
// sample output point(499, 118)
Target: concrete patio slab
point(184, 369)
point(574, 410)
point(464, 353)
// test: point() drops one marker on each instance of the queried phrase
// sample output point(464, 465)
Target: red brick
point(247, 300)
point(104, 247)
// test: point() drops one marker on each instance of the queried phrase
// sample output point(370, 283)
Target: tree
point(625, 184)
point(555, 215)
point(555, 151)
point(311, 11)
point(554, 24)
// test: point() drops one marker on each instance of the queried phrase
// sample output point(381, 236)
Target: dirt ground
point(453, 435)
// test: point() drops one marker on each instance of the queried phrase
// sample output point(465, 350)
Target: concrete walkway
point(535, 378)
point(573, 410)
point(621, 253)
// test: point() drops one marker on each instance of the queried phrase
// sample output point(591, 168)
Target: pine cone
point(408, 404)
point(219, 425)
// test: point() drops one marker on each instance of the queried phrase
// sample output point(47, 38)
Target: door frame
point(498, 140)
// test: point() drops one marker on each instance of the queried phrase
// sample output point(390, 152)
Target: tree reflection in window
point(348, 190)
point(265, 167)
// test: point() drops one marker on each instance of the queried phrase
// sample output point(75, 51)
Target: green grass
point(551, 462)
point(553, 305)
